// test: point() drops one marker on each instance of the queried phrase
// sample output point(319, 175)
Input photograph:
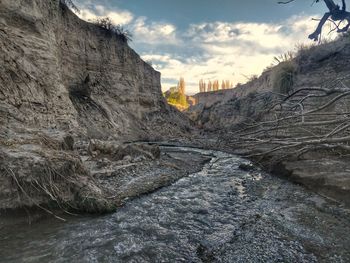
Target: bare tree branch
point(334, 14)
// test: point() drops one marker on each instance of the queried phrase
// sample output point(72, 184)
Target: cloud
point(208, 50)
point(143, 30)
point(230, 51)
point(154, 33)
point(118, 17)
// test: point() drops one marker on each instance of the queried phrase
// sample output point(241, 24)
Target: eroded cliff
point(63, 83)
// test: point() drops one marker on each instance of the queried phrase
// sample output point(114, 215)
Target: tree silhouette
point(209, 86)
point(202, 86)
point(223, 85)
point(228, 84)
point(181, 86)
point(334, 14)
point(216, 85)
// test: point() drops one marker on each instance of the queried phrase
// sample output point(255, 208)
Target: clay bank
point(71, 94)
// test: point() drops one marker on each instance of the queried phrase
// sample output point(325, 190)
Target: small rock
point(246, 167)
point(127, 158)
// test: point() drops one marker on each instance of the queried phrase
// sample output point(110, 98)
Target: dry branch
point(283, 132)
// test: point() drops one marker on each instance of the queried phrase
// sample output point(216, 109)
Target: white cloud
point(118, 17)
point(231, 51)
point(143, 30)
point(216, 50)
point(154, 32)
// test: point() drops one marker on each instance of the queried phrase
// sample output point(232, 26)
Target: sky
point(209, 39)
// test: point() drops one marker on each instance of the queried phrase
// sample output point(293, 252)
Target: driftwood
point(306, 120)
point(335, 14)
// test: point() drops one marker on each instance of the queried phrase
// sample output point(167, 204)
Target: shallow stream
point(221, 214)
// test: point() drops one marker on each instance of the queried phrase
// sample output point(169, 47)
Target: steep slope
point(297, 127)
point(316, 66)
point(63, 82)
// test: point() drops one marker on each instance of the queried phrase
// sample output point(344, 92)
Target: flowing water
point(221, 214)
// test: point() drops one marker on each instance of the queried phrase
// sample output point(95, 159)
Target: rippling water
point(219, 214)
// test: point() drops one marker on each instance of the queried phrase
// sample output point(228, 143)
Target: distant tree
point(216, 85)
point(181, 86)
point(228, 84)
point(175, 98)
point(209, 86)
point(223, 85)
point(201, 86)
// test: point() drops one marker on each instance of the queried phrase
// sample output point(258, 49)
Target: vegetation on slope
point(118, 30)
point(176, 96)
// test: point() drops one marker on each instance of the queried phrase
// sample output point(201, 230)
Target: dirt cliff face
point(61, 72)
point(64, 81)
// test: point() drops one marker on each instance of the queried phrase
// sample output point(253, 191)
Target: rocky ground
point(228, 211)
point(136, 175)
point(117, 174)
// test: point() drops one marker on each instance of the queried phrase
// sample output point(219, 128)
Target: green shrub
point(177, 99)
point(283, 77)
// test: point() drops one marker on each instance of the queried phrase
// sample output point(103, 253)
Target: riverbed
point(230, 211)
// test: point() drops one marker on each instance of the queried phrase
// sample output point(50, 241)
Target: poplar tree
point(223, 85)
point(216, 85)
point(181, 86)
point(209, 86)
point(201, 86)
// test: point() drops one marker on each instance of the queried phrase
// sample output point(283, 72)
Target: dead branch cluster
point(336, 16)
point(309, 119)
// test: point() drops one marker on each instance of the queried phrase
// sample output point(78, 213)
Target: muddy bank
point(133, 170)
point(327, 175)
point(65, 82)
point(133, 178)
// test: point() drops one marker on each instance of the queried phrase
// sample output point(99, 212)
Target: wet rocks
point(246, 166)
point(115, 151)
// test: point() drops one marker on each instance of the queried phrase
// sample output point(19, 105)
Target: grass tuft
point(283, 77)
